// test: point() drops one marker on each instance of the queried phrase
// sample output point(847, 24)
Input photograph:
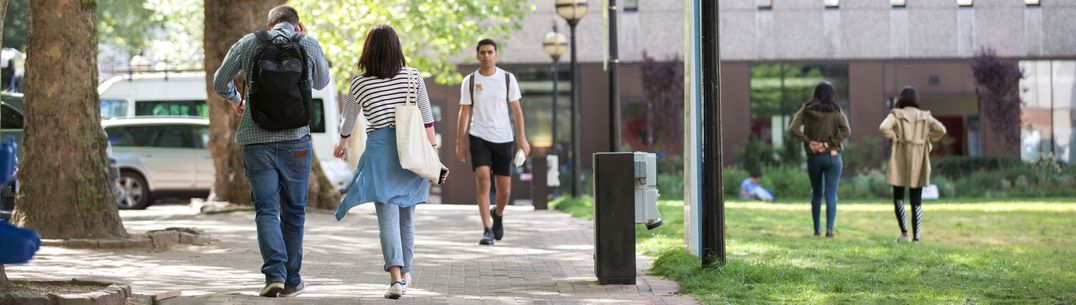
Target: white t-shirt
point(490, 116)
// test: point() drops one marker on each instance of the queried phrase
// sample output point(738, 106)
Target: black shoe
point(498, 227)
point(487, 238)
point(829, 234)
point(291, 291)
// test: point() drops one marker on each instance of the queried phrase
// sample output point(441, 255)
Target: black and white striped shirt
point(379, 97)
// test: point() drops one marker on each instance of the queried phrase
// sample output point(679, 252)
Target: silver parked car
point(160, 157)
point(11, 125)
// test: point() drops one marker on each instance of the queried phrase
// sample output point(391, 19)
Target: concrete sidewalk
point(546, 257)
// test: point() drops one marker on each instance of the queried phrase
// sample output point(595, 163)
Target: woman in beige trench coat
point(911, 131)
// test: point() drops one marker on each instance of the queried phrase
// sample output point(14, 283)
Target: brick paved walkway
point(546, 257)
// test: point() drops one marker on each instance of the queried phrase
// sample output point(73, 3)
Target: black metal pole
point(712, 202)
point(614, 82)
point(576, 157)
point(556, 60)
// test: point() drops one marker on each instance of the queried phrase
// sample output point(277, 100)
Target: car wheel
point(134, 192)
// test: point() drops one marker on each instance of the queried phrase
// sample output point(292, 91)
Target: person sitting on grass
point(751, 189)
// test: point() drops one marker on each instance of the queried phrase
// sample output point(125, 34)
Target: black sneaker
point(271, 290)
point(487, 238)
point(291, 291)
point(498, 226)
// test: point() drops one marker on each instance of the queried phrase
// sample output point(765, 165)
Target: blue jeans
point(279, 175)
point(397, 235)
point(825, 173)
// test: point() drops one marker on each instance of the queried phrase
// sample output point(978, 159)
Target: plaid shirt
point(239, 60)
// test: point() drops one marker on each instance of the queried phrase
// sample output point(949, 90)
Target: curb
point(115, 294)
point(158, 239)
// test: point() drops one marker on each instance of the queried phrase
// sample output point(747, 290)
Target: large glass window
point(132, 136)
point(536, 87)
point(113, 109)
point(317, 115)
point(778, 91)
point(12, 119)
point(1047, 117)
point(171, 108)
point(167, 136)
point(201, 135)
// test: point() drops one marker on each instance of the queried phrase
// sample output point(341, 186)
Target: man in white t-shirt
point(491, 96)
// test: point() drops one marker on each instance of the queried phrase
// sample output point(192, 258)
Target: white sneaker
point(396, 290)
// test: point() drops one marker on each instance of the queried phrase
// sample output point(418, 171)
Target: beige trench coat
point(911, 131)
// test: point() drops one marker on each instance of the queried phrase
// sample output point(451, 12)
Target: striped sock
point(899, 209)
point(917, 220)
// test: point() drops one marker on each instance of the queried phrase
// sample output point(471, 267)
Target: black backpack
point(280, 87)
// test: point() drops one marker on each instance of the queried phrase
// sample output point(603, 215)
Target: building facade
point(655, 28)
point(773, 53)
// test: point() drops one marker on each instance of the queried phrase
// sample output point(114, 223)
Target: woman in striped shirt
point(385, 83)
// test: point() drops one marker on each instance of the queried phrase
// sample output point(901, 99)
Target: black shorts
point(498, 156)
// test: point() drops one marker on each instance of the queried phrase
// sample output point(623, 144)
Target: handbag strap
point(407, 94)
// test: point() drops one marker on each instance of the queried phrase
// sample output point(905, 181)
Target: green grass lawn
point(985, 252)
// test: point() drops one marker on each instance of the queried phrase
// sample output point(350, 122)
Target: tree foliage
point(431, 31)
point(125, 24)
point(179, 43)
point(663, 84)
point(998, 87)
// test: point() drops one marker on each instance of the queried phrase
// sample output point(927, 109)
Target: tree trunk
point(226, 21)
point(64, 190)
point(3, 14)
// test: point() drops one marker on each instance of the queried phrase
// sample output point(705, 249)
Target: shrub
point(671, 186)
point(963, 166)
point(731, 179)
point(866, 185)
point(786, 182)
point(792, 152)
point(670, 164)
point(755, 154)
point(861, 157)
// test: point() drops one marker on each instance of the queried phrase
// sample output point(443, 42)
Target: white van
point(184, 94)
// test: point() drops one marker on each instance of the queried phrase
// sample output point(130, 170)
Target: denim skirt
point(379, 177)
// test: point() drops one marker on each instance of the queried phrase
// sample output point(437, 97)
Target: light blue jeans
point(279, 175)
point(397, 235)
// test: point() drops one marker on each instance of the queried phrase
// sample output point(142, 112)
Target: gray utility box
point(625, 193)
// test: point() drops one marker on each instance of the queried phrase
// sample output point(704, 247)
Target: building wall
point(927, 44)
point(657, 28)
point(735, 108)
point(873, 29)
point(868, 97)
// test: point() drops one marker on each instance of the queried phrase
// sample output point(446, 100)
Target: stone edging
point(158, 239)
point(113, 294)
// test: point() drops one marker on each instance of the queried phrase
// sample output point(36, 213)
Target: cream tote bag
point(416, 152)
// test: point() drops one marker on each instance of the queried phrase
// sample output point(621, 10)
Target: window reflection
point(778, 91)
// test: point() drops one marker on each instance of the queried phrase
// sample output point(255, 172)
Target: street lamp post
point(614, 81)
point(555, 44)
point(573, 11)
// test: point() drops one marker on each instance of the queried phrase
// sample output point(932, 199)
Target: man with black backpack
point(491, 96)
point(281, 66)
